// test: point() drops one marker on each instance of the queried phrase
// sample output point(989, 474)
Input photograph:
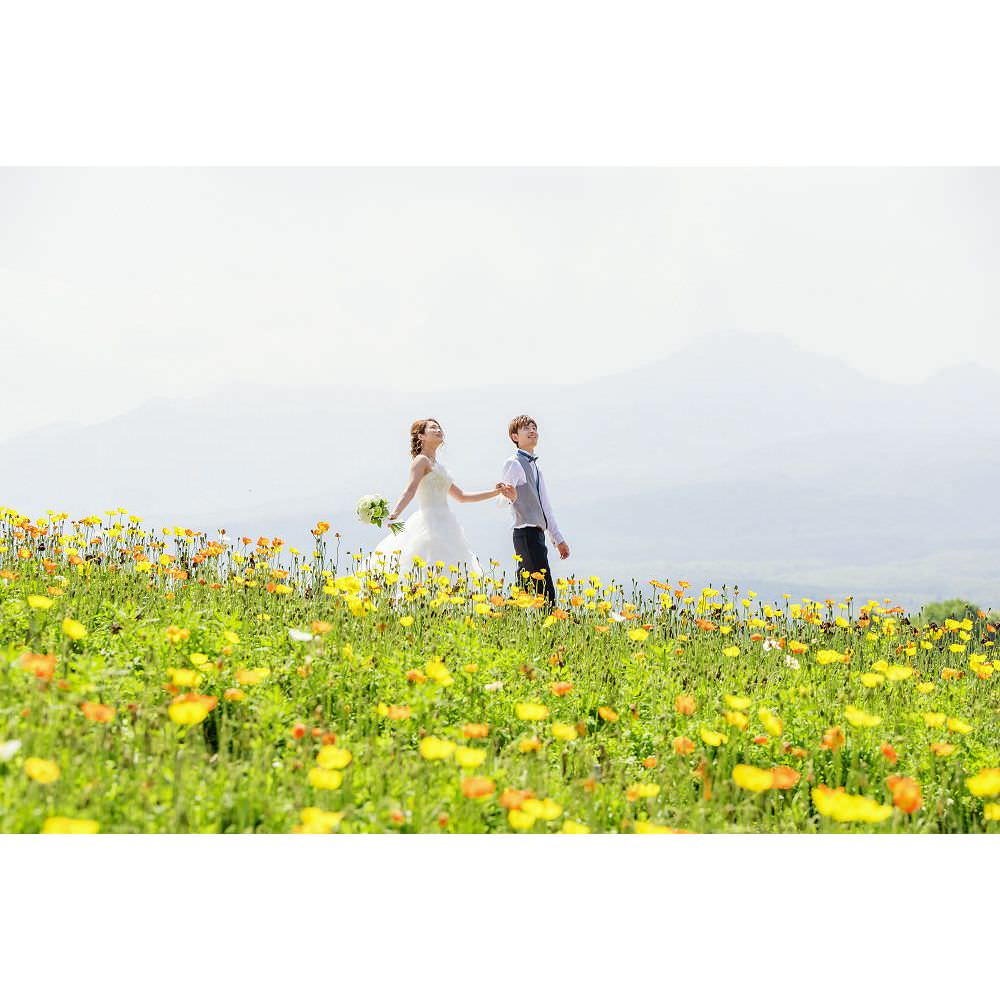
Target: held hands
point(507, 491)
point(563, 550)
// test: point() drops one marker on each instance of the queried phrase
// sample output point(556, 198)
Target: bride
point(433, 532)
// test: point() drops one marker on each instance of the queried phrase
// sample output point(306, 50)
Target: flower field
point(158, 680)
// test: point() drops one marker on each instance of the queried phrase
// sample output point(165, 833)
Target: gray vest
point(528, 505)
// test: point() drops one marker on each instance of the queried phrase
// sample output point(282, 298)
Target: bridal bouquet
point(373, 509)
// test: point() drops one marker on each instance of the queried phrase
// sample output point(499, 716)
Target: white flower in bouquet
point(374, 509)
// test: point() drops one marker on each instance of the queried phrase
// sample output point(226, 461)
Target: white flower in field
point(615, 617)
point(791, 662)
point(8, 749)
point(296, 635)
point(769, 644)
point(493, 686)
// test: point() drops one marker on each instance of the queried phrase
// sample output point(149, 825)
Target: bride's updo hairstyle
point(417, 428)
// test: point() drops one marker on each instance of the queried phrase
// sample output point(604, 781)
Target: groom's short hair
point(518, 422)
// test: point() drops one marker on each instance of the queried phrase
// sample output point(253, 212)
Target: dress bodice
point(433, 488)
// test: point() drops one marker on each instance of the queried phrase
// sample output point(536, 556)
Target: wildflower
point(398, 713)
point(9, 749)
point(478, 787)
point(905, 793)
point(315, 820)
point(234, 694)
point(838, 805)
point(493, 686)
point(545, 809)
point(942, 749)
point(925, 687)
point(530, 745)
point(190, 709)
point(641, 791)
point(570, 826)
point(74, 629)
point(39, 603)
point(784, 777)
point(770, 722)
point(433, 748)
point(827, 656)
point(991, 811)
point(520, 820)
point(248, 677)
point(334, 758)
point(934, 720)
point(512, 798)
point(712, 738)
point(563, 731)
point(737, 720)
point(530, 711)
point(469, 757)
point(42, 666)
point(96, 712)
point(607, 713)
point(41, 770)
point(731, 651)
point(416, 676)
point(326, 780)
point(753, 779)
point(959, 726)
point(833, 738)
point(986, 783)
point(684, 704)
point(63, 824)
point(649, 762)
point(561, 688)
point(857, 717)
point(641, 826)
point(183, 677)
point(889, 752)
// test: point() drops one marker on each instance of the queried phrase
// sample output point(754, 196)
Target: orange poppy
point(784, 777)
point(684, 704)
point(475, 730)
point(561, 688)
point(683, 745)
point(42, 665)
point(512, 798)
point(833, 738)
point(905, 793)
point(478, 787)
point(96, 712)
point(889, 752)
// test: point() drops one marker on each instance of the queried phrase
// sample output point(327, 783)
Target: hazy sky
point(120, 284)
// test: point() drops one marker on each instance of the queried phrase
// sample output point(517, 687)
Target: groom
point(532, 510)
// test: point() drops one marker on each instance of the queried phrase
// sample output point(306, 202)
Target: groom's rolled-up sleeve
point(513, 474)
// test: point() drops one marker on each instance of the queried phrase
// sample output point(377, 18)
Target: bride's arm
point(456, 493)
point(418, 469)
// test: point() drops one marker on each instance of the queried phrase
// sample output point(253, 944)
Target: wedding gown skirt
point(432, 532)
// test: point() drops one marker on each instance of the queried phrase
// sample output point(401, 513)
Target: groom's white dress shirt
point(514, 475)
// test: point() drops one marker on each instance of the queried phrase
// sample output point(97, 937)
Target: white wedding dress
point(432, 532)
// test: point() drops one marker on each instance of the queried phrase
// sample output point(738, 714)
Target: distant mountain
point(739, 458)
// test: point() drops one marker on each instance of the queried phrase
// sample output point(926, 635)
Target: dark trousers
point(529, 544)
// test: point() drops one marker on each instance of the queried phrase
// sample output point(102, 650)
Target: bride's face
point(432, 433)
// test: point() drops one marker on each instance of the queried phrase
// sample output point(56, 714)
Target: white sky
point(119, 284)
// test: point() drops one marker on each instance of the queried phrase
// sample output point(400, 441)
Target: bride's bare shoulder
point(420, 463)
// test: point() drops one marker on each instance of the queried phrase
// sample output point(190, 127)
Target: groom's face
point(526, 437)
